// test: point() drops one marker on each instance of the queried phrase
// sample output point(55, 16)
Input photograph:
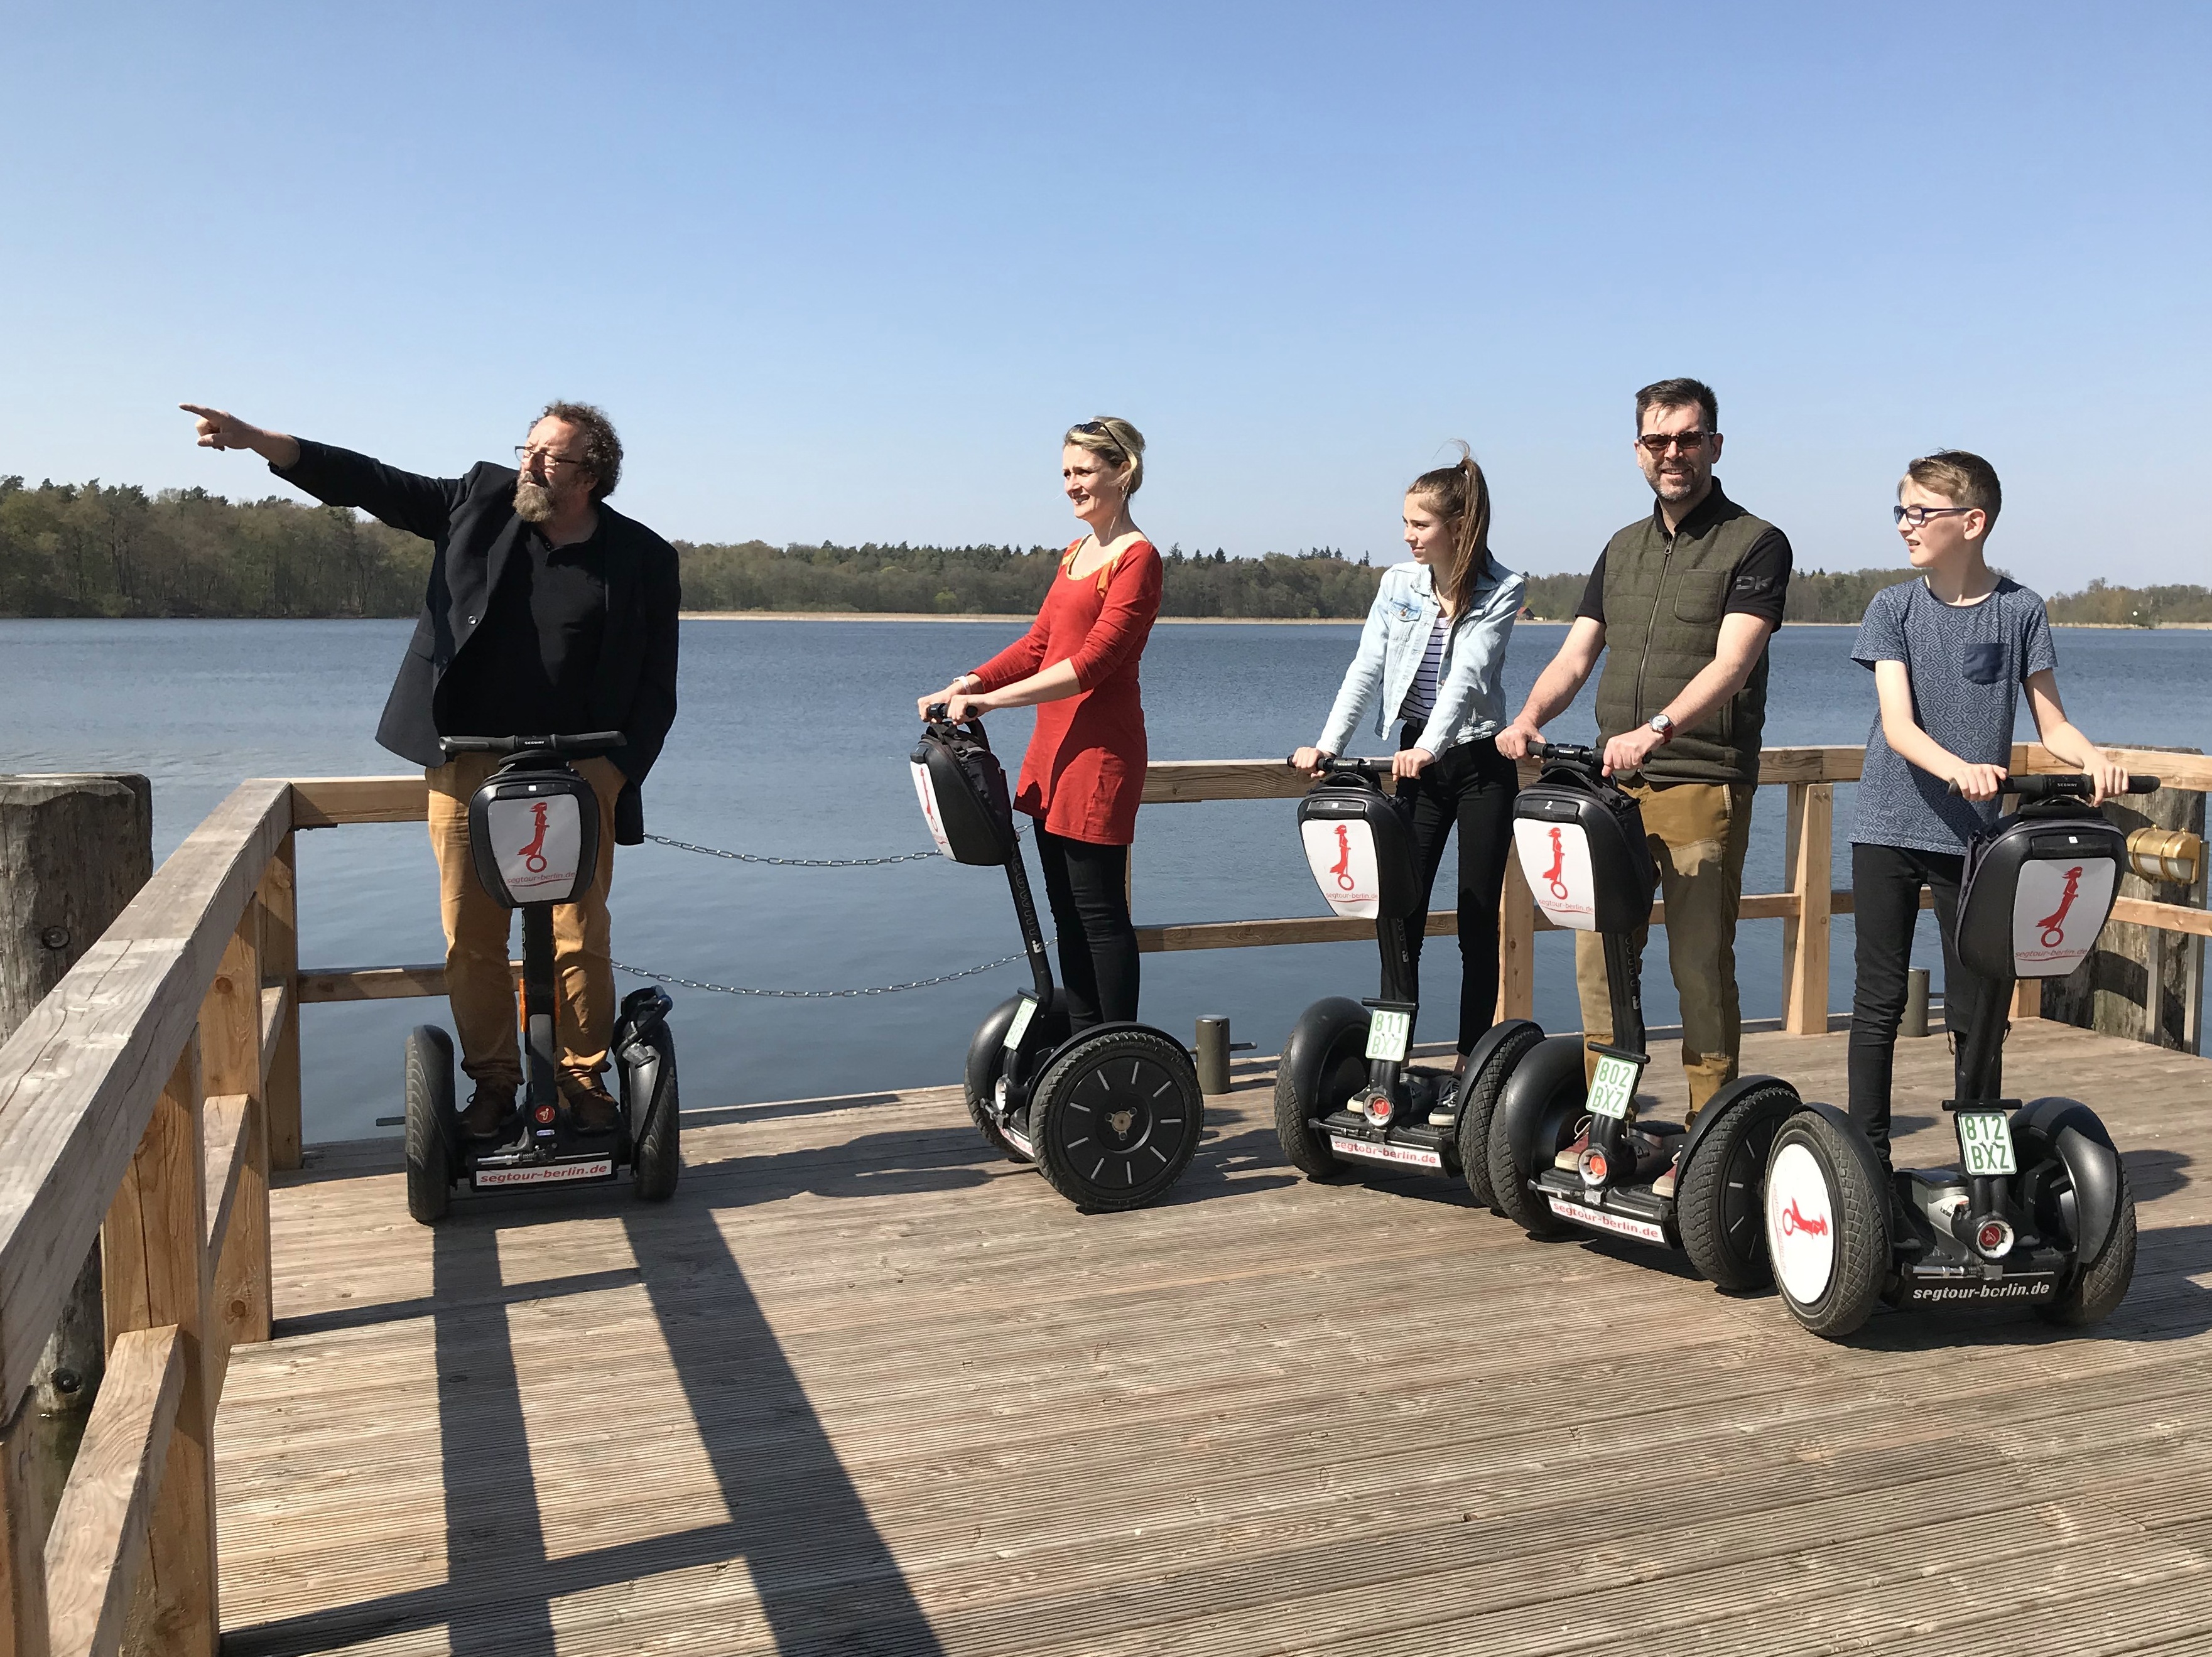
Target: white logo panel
point(1556, 861)
point(2057, 910)
point(928, 790)
point(1340, 852)
point(538, 842)
point(1801, 1224)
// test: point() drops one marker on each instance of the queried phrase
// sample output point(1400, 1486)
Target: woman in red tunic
point(1085, 767)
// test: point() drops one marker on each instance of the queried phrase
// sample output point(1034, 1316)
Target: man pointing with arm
point(1681, 604)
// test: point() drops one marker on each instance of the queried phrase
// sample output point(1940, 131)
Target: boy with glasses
point(1681, 604)
point(1950, 652)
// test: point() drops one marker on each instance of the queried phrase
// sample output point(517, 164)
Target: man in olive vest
point(1681, 604)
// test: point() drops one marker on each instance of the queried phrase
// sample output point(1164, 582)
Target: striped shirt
point(1421, 694)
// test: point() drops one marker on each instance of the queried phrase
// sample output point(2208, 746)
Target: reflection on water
point(793, 740)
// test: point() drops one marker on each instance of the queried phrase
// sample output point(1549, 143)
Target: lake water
point(793, 741)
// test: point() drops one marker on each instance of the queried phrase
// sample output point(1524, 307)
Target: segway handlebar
point(2063, 784)
point(581, 745)
point(1341, 765)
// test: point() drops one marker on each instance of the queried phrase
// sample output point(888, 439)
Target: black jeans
point(1471, 785)
point(1088, 888)
point(1885, 882)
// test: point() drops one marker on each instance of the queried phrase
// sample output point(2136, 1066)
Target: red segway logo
point(1793, 1222)
point(1343, 869)
point(2054, 924)
point(1559, 863)
point(533, 855)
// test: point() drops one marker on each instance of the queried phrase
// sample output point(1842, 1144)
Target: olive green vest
point(1664, 596)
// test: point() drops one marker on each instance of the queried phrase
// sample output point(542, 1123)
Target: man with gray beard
point(548, 613)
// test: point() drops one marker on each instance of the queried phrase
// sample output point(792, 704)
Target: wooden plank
point(2167, 917)
point(320, 984)
point(326, 802)
point(280, 966)
point(23, 1608)
point(79, 1079)
point(230, 1064)
point(1181, 781)
point(97, 1545)
point(1807, 859)
point(2028, 999)
point(1823, 764)
point(275, 1009)
point(1516, 946)
point(224, 1155)
point(2190, 771)
point(156, 1271)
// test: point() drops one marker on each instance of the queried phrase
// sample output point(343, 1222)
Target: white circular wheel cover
point(1800, 1224)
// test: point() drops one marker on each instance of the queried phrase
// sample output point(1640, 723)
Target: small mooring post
point(74, 851)
point(1213, 1054)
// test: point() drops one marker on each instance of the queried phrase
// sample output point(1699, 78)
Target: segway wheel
point(1480, 1104)
point(658, 1160)
point(1717, 1204)
point(433, 1129)
point(1324, 1063)
point(2098, 1287)
point(1538, 1106)
point(1116, 1118)
point(1828, 1229)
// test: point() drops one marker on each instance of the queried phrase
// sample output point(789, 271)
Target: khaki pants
point(479, 981)
point(1698, 833)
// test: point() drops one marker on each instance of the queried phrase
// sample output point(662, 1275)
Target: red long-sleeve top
point(1085, 771)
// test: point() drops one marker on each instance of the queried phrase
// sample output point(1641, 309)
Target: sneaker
point(489, 1107)
point(1445, 1112)
point(1664, 1185)
point(1571, 1159)
point(591, 1109)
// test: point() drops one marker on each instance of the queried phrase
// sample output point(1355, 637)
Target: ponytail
point(1460, 495)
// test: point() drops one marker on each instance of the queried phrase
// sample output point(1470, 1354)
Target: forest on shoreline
point(95, 549)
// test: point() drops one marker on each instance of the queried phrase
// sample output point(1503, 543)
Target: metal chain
point(821, 995)
point(796, 863)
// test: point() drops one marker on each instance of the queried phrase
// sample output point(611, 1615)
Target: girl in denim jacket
point(1431, 656)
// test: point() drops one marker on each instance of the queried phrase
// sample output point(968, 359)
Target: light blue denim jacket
point(1470, 688)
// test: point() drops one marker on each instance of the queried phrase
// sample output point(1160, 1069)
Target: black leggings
point(1472, 785)
point(1885, 882)
point(1088, 888)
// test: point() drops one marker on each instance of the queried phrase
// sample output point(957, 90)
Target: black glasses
point(524, 454)
point(1658, 443)
point(1916, 516)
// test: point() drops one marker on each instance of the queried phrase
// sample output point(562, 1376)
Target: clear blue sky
point(846, 272)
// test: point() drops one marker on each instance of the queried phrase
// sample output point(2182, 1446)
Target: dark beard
point(533, 502)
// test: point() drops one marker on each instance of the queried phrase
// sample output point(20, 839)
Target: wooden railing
point(145, 1100)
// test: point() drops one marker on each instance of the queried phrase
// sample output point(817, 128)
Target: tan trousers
point(479, 982)
point(1698, 833)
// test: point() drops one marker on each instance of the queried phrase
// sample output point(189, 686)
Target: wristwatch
point(1664, 726)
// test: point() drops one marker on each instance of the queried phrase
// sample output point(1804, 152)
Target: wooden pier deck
point(860, 1389)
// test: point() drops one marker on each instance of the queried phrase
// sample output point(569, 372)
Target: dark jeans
point(1088, 888)
point(1885, 882)
point(1471, 785)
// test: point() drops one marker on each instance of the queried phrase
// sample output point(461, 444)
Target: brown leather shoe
point(591, 1109)
point(489, 1107)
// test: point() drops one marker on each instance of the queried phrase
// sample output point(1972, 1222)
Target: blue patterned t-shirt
point(1967, 664)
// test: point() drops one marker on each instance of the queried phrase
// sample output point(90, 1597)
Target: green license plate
point(1388, 1036)
point(1986, 1143)
point(1612, 1089)
point(1020, 1027)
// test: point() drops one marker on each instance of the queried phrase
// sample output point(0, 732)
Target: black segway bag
point(962, 788)
point(1360, 850)
point(1584, 852)
point(534, 836)
point(2035, 893)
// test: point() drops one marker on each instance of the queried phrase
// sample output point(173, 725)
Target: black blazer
point(471, 522)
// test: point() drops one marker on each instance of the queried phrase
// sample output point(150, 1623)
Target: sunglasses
point(1692, 442)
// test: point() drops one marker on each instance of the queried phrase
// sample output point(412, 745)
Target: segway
point(1111, 1114)
point(1563, 1153)
point(534, 841)
point(1344, 1091)
point(2039, 1210)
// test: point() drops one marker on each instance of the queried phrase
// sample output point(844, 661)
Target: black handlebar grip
point(2138, 784)
point(937, 711)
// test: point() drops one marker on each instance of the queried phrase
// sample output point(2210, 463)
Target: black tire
point(1116, 1117)
point(1829, 1267)
point(1478, 1103)
point(1324, 1063)
point(433, 1129)
point(987, 1062)
point(1548, 1091)
point(1719, 1196)
point(658, 1160)
point(2097, 1289)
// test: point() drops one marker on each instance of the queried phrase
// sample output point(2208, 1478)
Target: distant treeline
point(95, 549)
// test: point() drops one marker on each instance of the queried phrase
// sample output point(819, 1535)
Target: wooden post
point(230, 1063)
point(280, 970)
point(154, 1250)
point(1808, 872)
point(1517, 945)
point(23, 1510)
point(73, 850)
